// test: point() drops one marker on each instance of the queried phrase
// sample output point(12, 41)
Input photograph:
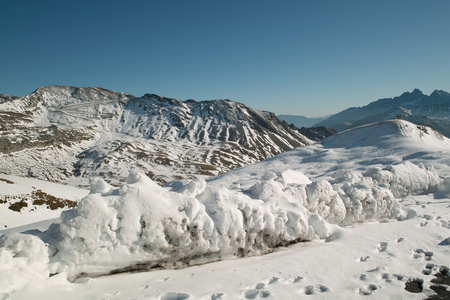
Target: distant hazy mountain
point(416, 107)
point(62, 132)
point(301, 121)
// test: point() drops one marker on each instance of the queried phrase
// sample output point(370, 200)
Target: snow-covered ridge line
point(215, 132)
point(432, 110)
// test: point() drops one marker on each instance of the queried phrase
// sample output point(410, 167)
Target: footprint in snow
point(422, 224)
point(317, 288)
point(368, 289)
point(260, 286)
point(253, 293)
point(294, 279)
point(391, 277)
point(216, 296)
point(174, 296)
point(428, 217)
point(364, 258)
point(428, 268)
point(420, 253)
point(257, 290)
point(386, 277)
point(444, 224)
point(399, 277)
point(382, 246)
point(272, 280)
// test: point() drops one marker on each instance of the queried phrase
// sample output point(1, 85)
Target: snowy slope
point(41, 200)
point(432, 110)
point(374, 173)
point(57, 132)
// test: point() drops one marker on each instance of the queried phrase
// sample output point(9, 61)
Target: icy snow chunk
point(23, 261)
point(348, 176)
point(325, 201)
point(266, 190)
point(406, 179)
point(291, 176)
point(99, 186)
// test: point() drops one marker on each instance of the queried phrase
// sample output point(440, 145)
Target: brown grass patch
point(6, 180)
point(37, 197)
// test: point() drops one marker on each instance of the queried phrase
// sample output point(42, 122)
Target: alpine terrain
point(61, 133)
point(304, 208)
point(416, 107)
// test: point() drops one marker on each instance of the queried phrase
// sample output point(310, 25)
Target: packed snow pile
point(142, 223)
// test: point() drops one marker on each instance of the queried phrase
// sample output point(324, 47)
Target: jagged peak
point(416, 93)
point(440, 93)
point(74, 90)
point(57, 95)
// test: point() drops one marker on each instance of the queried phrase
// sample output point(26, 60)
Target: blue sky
point(310, 58)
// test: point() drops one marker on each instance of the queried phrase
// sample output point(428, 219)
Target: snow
point(370, 205)
point(95, 132)
point(21, 188)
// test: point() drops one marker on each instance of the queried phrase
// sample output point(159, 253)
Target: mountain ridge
point(416, 107)
point(110, 132)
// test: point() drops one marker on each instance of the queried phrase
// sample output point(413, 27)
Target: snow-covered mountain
point(416, 107)
point(60, 131)
point(388, 171)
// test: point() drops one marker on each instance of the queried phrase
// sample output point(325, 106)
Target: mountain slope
point(432, 110)
point(57, 132)
point(365, 150)
point(301, 121)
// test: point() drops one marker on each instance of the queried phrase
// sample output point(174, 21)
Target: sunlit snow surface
point(382, 172)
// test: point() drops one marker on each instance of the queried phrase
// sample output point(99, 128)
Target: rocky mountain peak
point(111, 133)
point(412, 106)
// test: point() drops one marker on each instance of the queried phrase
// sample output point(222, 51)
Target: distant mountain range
point(63, 133)
point(60, 133)
point(301, 121)
point(416, 107)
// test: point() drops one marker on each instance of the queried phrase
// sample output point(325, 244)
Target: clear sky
point(309, 58)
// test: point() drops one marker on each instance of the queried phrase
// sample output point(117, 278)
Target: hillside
point(416, 107)
point(61, 133)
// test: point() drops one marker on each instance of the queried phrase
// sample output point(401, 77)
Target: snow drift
point(142, 224)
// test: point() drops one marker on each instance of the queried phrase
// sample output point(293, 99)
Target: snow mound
point(142, 223)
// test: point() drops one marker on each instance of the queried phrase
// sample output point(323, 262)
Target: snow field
point(301, 195)
point(141, 223)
